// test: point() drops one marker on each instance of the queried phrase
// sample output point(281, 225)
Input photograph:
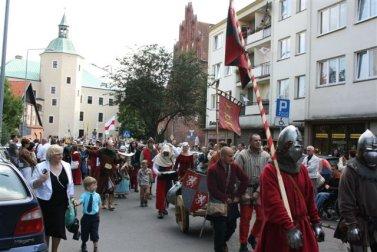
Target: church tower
point(61, 72)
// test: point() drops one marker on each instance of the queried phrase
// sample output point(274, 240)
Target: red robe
point(274, 233)
point(183, 163)
point(76, 173)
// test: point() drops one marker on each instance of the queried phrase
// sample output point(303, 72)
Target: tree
point(12, 113)
point(154, 88)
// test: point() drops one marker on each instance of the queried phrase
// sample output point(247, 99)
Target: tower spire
point(63, 28)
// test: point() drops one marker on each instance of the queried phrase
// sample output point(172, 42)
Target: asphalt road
point(131, 228)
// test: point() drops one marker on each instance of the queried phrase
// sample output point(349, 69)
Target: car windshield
point(11, 186)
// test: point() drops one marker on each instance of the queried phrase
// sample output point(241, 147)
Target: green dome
point(61, 45)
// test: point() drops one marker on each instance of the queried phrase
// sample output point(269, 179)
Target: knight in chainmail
point(252, 160)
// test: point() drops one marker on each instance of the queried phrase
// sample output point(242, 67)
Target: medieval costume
point(279, 233)
point(221, 181)
point(75, 166)
point(135, 162)
point(252, 161)
point(162, 163)
point(358, 194)
point(184, 161)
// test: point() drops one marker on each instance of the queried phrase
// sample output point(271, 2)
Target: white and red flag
point(110, 124)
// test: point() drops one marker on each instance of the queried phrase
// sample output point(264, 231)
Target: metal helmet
point(289, 149)
point(367, 149)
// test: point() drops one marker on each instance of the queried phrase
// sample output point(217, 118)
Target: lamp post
point(4, 54)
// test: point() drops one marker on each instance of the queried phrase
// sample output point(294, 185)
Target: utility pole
point(4, 55)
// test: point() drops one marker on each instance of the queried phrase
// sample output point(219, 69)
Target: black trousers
point(89, 226)
point(224, 227)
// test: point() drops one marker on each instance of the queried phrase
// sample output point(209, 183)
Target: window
point(100, 101)
point(51, 119)
point(300, 86)
point(300, 42)
point(227, 70)
point(81, 99)
point(333, 18)
point(332, 71)
point(89, 100)
point(283, 86)
point(366, 9)
point(54, 64)
point(213, 101)
point(53, 90)
point(79, 67)
point(68, 80)
point(285, 9)
point(81, 132)
point(100, 135)
point(100, 117)
point(111, 102)
point(366, 64)
point(216, 71)
point(284, 48)
point(301, 5)
point(81, 116)
point(218, 41)
point(53, 102)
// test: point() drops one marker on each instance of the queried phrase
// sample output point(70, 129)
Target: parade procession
point(253, 131)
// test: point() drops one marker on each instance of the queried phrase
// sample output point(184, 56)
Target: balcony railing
point(262, 70)
point(259, 35)
point(265, 102)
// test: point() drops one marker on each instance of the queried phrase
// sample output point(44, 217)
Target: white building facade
point(72, 100)
point(294, 46)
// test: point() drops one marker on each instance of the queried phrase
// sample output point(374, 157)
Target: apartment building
point(314, 53)
point(71, 96)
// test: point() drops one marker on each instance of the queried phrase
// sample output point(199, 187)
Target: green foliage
point(12, 113)
point(154, 88)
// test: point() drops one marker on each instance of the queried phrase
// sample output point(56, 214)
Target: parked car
point(21, 221)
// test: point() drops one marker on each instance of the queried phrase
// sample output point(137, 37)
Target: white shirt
point(312, 165)
point(41, 152)
point(44, 192)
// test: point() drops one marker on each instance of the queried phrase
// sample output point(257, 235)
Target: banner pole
point(217, 111)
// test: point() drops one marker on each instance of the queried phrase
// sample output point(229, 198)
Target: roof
point(64, 21)
point(18, 88)
point(92, 81)
point(61, 45)
point(16, 68)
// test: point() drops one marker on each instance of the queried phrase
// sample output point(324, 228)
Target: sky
point(103, 30)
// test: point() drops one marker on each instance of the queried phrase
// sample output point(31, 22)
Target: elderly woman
point(53, 186)
point(163, 162)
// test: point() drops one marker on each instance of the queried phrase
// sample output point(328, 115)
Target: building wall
point(66, 111)
point(91, 111)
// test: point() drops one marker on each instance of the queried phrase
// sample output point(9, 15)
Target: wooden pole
point(266, 128)
point(217, 111)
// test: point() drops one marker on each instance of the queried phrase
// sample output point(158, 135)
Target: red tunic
point(148, 155)
point(76, 173)
point(274, 232)
point(183, 163)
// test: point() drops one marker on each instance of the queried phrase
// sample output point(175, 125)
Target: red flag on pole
point(235, 54)
point(229, 115)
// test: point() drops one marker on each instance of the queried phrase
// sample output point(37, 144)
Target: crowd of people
point(244, 179)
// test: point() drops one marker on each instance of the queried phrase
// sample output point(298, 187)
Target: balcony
point(252, 108)
point(259, 35)
point(262, 70)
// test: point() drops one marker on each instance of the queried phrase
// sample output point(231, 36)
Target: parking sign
point(282, 108)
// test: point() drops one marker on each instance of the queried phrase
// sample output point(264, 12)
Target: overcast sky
point(102, 30)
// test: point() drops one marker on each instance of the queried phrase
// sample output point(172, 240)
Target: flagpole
point(217, 110)
point(266, 126)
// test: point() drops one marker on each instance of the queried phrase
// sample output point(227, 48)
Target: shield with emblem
point(194, 190)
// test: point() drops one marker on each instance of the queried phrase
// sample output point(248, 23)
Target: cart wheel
point(181, 215)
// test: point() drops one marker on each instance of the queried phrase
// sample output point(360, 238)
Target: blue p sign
point(282, 108)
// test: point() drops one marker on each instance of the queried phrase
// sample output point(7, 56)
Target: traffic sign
point(282, 108)
point(281, 121)
point(127, 134)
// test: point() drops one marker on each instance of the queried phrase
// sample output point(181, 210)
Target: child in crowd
point(144, 178)
point(91, 202)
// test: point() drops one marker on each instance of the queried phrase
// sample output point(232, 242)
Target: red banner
point(229, 115)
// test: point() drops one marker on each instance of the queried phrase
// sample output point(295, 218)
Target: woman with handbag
point(222, 207)
point(53, 185)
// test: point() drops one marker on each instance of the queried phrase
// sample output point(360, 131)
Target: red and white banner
point(229, 115)
point(110, 124)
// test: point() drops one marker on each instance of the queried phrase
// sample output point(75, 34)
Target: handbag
point(217, 207)
point(74, 165)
